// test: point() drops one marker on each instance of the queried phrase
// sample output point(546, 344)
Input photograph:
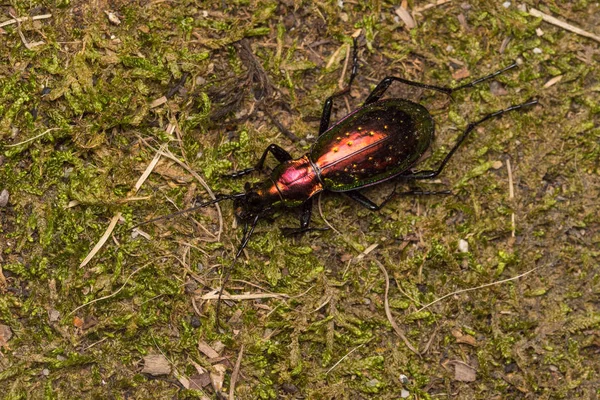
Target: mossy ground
point(536, 337)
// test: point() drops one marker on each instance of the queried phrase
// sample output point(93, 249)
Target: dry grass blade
point(478, 287)
point(555, 21)
point(406, 17)
point(103, 239)
point(183, 165)
point(112, 294)
point(33, 138)
point(214, 295)
point(388, 313)
point(117, 216)
point(24, 19)
point(343, 358)
point(428, 6)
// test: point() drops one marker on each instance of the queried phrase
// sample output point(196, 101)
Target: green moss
point(66, 185)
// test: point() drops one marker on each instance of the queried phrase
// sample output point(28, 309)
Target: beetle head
point(251, 204)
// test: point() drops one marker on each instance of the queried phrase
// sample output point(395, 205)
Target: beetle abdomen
point(375, 143)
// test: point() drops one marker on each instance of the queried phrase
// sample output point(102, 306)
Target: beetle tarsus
point(287, 231)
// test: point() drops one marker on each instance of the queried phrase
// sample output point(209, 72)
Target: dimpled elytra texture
point(374, 143)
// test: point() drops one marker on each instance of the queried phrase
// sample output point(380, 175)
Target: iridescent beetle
point(381, 140)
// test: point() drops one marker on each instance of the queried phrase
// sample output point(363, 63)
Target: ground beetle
point(381, 140)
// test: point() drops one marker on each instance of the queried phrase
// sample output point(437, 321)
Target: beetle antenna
point(245, 239)
point(219, 198)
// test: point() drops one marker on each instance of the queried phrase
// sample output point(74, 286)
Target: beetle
point(381, 140)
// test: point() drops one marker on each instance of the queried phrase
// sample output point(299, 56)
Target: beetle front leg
point(278, 152)
point(326, 115)
point(305, 217)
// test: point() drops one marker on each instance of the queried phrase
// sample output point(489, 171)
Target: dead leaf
point(77, 322)
point(217, 376)
point(199, 381)
point(464, 339)
point(464, 372)
point(3, 283)
point(218, 346)
point(5, 335)
point(53, 315)
point(406, 17)
point(156, 364)
point(207, 350)
point(467, 339)
point(183, 380)
point(346, 257)
point(553, 81)
point(498, 89)
point(461, 74)
point(112, 17)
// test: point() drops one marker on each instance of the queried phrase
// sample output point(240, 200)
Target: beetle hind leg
point(383, 86)
point(370, 205)
point(430, 174)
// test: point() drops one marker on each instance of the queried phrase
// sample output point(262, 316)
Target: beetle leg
point(304, 221)
point(278, 152)
point(364, 201)
point(326, 115)
point(383, 86)
point(429, 174)
point(370, 205)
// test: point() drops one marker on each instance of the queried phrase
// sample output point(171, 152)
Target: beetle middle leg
point(384, 85)
point(326, 115)
point(278, 152)
point(429, 174)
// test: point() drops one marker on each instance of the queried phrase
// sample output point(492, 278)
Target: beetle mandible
point(380, 140)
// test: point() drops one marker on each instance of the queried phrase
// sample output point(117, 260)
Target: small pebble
point(45, 372)
point(3, 198)
point(372, 383)
point(463, 246)
point(403, 379)
point(506, 4)
point(497, 164)
point(537, 51)
point(404, 393)
point(112, 17)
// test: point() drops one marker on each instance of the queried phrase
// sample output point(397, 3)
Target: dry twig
point(555, 21)
point(234, 374)
point(23, 19)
